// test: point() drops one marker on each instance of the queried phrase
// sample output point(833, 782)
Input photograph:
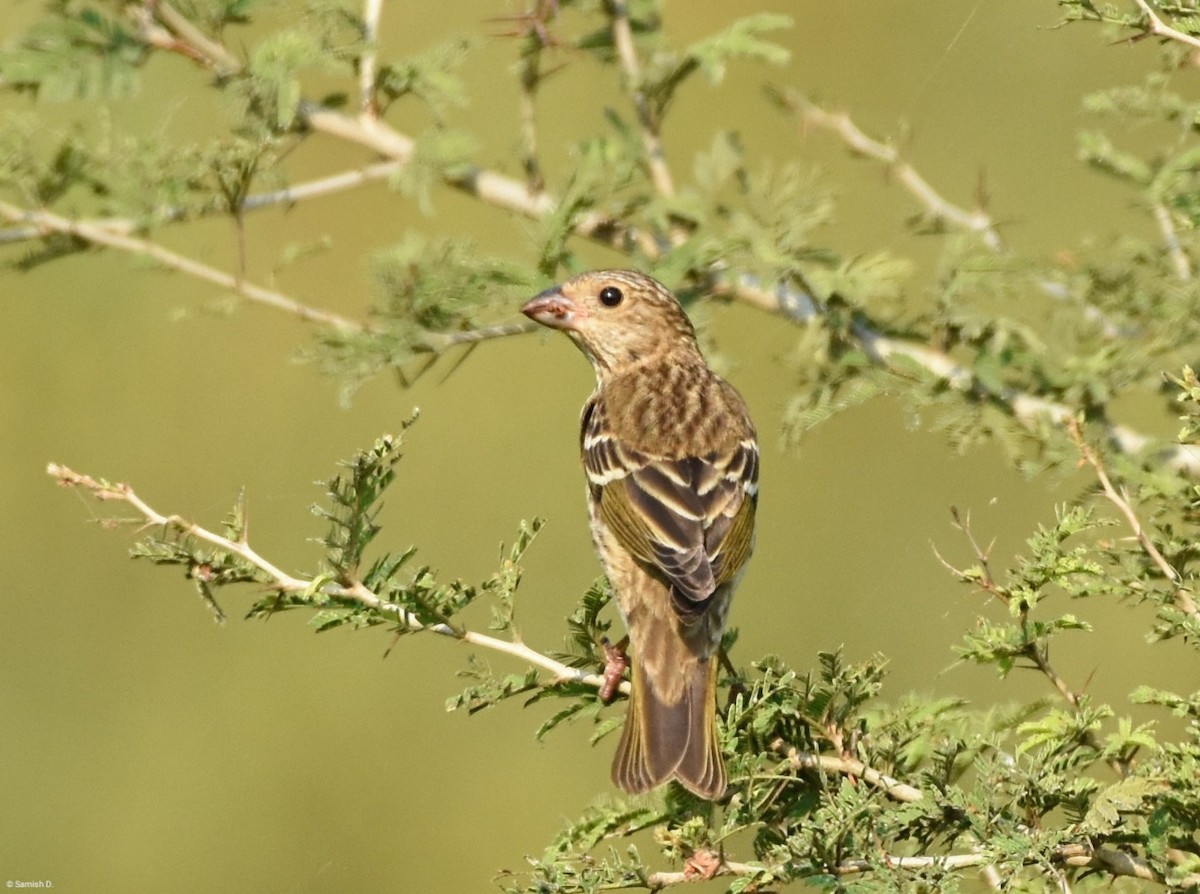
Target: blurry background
point(147, 749)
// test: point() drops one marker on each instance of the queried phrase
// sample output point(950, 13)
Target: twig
point(1184, 600)
point(531, 60)
point(289, 195)
point(656, 159)
point(491, 187)
point(1039, 657)
point(109, 234)
point(1179, 258)
point(439, 341)
point(1037, 654)
point(1160, 28)
point(848, 766)
point(531, 27)
point(212, 53)
point(99, 235)
point(372, 10)
point(936, 206)
point(286, 583)
point(1041, 661)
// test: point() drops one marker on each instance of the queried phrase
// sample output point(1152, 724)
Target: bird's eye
point(611, 296)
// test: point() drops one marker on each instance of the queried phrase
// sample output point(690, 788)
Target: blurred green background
point(147, 749)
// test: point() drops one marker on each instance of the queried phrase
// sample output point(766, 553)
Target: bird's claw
point(615, 664)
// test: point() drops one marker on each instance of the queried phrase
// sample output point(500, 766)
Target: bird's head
point(618, 317)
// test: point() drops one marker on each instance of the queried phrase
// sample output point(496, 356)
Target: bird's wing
point(692, 517)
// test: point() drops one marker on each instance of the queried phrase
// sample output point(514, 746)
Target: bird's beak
point(554, 309)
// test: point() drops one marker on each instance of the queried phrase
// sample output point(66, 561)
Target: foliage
point(831, 782)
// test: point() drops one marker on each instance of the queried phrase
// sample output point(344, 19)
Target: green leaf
point(742, 40)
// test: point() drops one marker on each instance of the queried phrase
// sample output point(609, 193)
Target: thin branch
point(1159, 28)
point(1184, 600)
point(530, 79)
point(1036, 653)
point(1179, 258)
point(152, 32)
point(531, 27)
point(367, 107)
point(1041, 660)
point(440, 341)
point(322, 186)
point(848, 766)
point(212, 54)
point(98, 235)
point(289, 195)
point(936, 206)
point(950, 861)
point(656, 158)
point(495, 189)
point(109, 234)
point(658, 880)
point(286, 583)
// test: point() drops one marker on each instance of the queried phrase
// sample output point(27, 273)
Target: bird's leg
point(615, 663)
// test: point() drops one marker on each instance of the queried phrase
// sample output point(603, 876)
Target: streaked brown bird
point(672, 472)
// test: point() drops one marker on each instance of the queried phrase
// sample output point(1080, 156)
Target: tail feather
point(662, 741)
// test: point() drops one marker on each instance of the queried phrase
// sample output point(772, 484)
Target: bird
point(671, 460)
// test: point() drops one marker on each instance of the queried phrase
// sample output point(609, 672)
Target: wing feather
point(690, 517)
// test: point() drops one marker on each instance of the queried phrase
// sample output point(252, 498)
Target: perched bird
point(672, 473)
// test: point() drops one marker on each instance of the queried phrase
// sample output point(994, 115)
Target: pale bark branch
point(288, 195)
point(656, 157)
point(1179, 258)
point(286, 583)
point(99, 235)
point(212, 53)
point(936, 206)
point(367, 64)
point(1183, 599)
point(848, 766)
point(1159, 28)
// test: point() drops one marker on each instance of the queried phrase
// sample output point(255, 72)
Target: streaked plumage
point(672, 468)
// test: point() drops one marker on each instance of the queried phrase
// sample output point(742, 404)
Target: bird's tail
point(662, 740)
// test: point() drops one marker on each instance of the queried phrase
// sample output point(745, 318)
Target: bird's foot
point(701, 865)
point(615, 664)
